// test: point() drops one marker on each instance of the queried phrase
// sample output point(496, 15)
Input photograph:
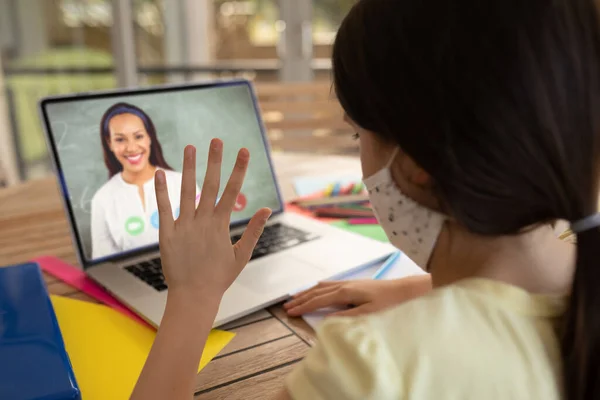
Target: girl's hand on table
point(364, 296)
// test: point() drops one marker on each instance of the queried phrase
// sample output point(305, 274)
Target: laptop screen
point(108, 146)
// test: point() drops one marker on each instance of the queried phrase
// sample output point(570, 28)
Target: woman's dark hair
point(499, 101)
point(112, 164)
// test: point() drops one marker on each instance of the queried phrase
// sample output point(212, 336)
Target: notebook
point(33, 361)
point(373, 231)
point(108, 349)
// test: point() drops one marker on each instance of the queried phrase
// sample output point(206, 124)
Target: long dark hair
point(112, 164)
point(498, 101)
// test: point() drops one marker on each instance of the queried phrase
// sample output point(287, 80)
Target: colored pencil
point(361, 207)
point(357, 188)
point(338, 212)
point(386, 266)
point(346, 190)
point(363, 221)
point(319, 202)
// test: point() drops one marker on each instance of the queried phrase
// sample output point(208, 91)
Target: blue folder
point(33, 361)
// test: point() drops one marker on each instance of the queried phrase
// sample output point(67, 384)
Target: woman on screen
point(124, 212)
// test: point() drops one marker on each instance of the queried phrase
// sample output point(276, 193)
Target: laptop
point(103, 143)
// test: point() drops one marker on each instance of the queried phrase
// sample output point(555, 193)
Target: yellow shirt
point(476, 339)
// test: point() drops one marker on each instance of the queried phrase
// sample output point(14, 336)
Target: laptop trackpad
point(278, 275)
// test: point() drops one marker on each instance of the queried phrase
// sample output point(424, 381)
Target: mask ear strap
point(392, 157)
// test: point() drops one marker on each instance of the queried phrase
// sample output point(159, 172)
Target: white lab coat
point(119, 220)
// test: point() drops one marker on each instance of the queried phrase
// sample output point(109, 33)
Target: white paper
point(402, 268)
point(363, 273)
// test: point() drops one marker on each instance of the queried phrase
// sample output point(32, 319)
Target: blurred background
point(50, 47)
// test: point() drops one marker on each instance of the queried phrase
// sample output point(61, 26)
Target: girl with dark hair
point(124, 213)
point(479, 128)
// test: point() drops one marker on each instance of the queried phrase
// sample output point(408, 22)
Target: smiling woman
point(129, 142)
point(124, 214)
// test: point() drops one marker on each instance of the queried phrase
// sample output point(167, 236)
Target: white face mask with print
point(411, 227)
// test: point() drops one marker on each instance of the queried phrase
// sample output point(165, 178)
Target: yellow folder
point(108, 349)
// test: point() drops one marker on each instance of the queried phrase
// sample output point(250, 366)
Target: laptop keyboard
point(275, 238)
point(150, 272)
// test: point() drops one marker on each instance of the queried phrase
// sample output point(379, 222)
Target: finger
point(165, 215)
point(331, 299)
point(212, 178)
point(309, 295)
point(243, 248)
point(353, 312)
point(234, 185)
point(319, 286)
point(187, 206)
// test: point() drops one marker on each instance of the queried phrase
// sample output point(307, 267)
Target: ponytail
point(581, 336)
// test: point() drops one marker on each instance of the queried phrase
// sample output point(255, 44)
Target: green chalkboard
point(181, 118)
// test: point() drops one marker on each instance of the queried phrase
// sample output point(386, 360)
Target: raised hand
point(198, 257)
point(200, 263)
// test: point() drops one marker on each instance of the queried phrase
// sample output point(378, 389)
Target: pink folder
point(73, 276)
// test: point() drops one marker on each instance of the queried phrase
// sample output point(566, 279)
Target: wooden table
point(267, 344)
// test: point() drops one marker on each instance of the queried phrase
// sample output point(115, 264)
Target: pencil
point(362, 221)
point(386, 266)
point(357, 188)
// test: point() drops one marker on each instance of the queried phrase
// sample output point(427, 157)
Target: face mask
point(411, 227)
